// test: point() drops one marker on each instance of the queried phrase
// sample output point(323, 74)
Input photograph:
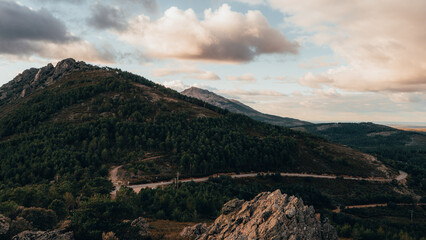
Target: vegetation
point(401, 149)
point(57, 145)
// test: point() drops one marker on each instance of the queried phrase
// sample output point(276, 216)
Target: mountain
point(238, 107)
point(64, 127)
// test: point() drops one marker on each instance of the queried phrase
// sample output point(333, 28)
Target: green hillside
point(404, 150)
point(59, 139)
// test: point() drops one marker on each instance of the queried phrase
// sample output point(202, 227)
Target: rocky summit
point(34, 79)
point(268, 216)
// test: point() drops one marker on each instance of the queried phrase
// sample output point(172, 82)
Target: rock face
point(194, 231)
point(4, 224)
point(268, 216)
point(41, 235)
point(34, 79)
point(142, 225)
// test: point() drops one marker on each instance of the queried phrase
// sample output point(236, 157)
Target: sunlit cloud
point(381, 42)
point(240, 92)
point(187, 72)
point(318, 62)
point(248, 77)
point(222, 36)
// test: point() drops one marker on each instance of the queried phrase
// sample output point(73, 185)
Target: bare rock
point(142, 225)
point(34, 79)
point(192, 232)
point(268, 216)
point(41, 235)
point(4, 224)
point(109, 236)
point(231, 206)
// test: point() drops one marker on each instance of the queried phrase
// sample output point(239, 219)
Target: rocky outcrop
point(268, 216)
point(141, 225)
point(193, 232)
point(4, 224)
point(34, 79)
point(41, 235)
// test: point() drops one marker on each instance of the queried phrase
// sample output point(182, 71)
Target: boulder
point(4, 224)
point(142, 225)
point(192, 232)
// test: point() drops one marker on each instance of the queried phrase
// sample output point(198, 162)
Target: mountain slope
point(238, 107)
point(405, 149)
point(59, 140)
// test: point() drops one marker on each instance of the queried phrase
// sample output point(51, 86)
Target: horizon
point(278, 57)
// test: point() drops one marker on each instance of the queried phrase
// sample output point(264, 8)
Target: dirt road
point(402, 175)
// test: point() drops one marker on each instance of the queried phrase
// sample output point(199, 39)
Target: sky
point(315, 60)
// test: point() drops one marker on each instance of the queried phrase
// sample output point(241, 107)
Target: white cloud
point(381, 42)
point(240, 92)
point(252, 2)
point(223, 35)
point(80, 50)
point(248, 77)
point(188, 72)
point(318, 62)
point(177, 85)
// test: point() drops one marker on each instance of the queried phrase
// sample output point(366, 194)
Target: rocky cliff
point(34, 79)
point(268, 216)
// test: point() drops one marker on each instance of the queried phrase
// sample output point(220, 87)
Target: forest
point(57, 146)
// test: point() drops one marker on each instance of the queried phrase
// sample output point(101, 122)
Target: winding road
point(402, 175)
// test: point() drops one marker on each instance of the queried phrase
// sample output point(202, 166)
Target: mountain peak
point(34, 79)
point(237, 107)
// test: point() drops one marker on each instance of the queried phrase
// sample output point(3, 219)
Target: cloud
point(252, 2)
point(188, 72)
point(248, 77)
point(177, 85)
point(25, 32)
point(63, 1)
point(403, 97)
point(329, 92)
point(240, 92)
point(381, 42)
point(318, 62)
point(348, 107)
point(223, 35)
point(19, 23)
point(104, 17)
point(150, 5)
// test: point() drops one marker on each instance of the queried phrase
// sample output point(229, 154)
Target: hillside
point(62, 128)
point(405, 150)
point(238, 107)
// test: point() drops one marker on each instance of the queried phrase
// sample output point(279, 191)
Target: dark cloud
point(104, 17)
point(19, 23)
point(26, 32)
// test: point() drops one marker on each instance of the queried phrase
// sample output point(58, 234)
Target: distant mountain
point(238, 107)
